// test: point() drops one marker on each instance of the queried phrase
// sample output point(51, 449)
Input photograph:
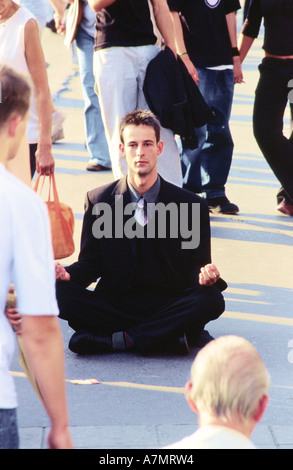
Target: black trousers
point(149, 320)
point(33, 149)
point(271, 99)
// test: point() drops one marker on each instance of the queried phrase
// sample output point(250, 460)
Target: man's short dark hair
point(15, 93)
point(140, 117)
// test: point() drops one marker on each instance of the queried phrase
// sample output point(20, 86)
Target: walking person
point(27, 263)
point(96, 141)
point(273, 89)
point(206, 41)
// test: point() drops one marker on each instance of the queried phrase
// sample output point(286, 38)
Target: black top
point(278, 25)
point(205, 30)
point(125, 23)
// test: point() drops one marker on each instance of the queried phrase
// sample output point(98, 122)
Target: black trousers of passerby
point(271, 99)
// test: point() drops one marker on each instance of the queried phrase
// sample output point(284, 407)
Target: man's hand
point(60, 272)
point(11, 311)
point(208, 275)
point(14, 319)
point(190, 67)
point(45, 163)
point(237, 69)
point(60, 439)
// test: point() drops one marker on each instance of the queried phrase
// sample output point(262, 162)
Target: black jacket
point(174, 98)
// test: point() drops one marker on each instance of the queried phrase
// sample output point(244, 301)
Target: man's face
point(141, 149)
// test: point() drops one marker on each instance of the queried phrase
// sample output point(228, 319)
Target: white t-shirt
point(26, 261)
point(214, 437)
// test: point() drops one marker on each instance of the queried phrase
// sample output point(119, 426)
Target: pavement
point(125, 401)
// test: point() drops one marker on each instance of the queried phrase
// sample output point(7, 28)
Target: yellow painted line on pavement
point(241, 291)
point(157, 388)
point(259, 318)
point(247, 301)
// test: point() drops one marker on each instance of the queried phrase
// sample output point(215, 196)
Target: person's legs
point(87, 310)
point(190, 161)
point(188, 314)
point(271, 99)
point(100, 323)
point(94, 128)
point(115, 73)
point(9, 438)
point(33, 165)
point(217, 87)
point(206, 168)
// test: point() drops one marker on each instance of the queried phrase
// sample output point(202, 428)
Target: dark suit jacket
point(113, 259)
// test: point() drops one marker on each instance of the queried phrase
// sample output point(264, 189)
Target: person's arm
point(250, 28)
point(97, 5)
point(38, 72)
point(245, 44)
point(232, 28)
point(59, 7)
point(164, 23)
point(43, 344)
point(180, 45)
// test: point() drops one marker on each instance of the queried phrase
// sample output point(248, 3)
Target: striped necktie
point(140, 214)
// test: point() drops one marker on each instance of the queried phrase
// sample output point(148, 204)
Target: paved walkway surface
point(138, 402)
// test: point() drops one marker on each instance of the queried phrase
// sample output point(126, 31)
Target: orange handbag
point(61, 220)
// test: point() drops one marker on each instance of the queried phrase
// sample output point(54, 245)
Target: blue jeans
point(8, 429)
point(206, 168)
point(94, 127)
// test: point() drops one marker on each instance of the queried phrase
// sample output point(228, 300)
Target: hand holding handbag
point(61, 221)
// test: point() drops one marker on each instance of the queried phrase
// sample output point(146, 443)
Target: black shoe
point(178, 346)
point(97, 167)
point(198, 339)
point(222, 205)
point(181, 346)
point(285, 203)
point(84, 342)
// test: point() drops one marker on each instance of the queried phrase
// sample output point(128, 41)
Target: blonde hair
point(228, 379)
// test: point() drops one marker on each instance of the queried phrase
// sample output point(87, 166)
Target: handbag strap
point(52, 183)
point(37, 183)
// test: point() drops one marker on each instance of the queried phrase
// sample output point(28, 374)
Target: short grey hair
point(229, 378)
